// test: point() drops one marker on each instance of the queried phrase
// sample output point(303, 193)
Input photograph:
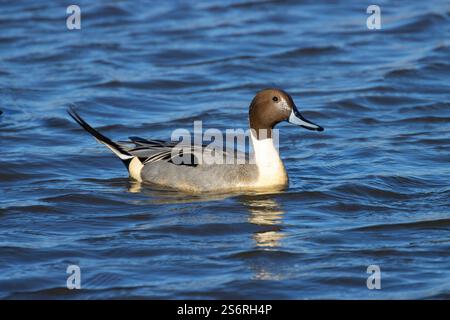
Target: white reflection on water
point(266, 212)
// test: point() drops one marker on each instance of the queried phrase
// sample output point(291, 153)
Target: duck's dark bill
point(297, 119)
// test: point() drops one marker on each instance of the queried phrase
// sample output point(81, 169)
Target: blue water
point(372, 189)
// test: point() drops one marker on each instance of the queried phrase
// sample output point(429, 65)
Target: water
point(372, 189)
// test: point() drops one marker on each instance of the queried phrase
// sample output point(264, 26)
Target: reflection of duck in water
point(159, 195)
point(134, 186)
point(266, 212)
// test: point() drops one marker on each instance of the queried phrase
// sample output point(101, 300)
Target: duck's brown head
point(272, 106)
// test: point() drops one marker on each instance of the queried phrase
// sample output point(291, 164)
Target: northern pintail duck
point(152, 161)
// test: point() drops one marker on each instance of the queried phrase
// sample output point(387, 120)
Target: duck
point(168, 164)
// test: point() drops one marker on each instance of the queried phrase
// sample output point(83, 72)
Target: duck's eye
point(275, 99)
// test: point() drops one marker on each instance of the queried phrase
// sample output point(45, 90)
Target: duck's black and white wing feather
point(151, 150)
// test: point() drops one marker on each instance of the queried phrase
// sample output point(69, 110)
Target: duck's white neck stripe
point(264, 151)
point(270, 167)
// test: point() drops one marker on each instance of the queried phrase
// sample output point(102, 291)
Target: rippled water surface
point(373, 188)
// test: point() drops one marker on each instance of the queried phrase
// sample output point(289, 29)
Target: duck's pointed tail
point(124, 155)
